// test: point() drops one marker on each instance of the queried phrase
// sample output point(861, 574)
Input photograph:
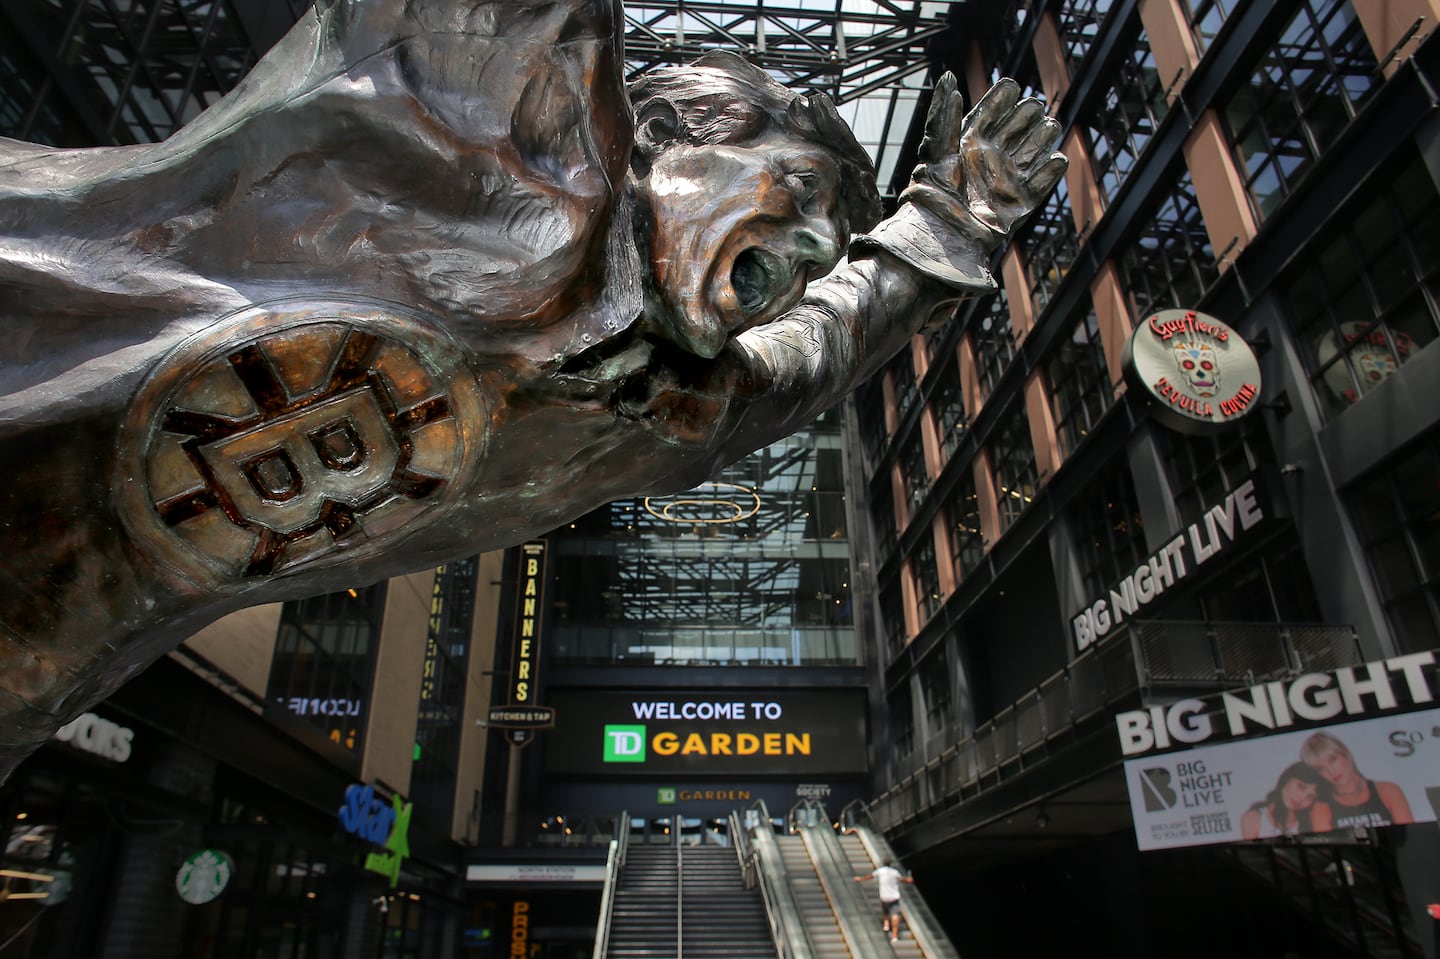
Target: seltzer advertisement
point(1319, 775)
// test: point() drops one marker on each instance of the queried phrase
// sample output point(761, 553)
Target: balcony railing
point(1151, 660)
point(704, 646)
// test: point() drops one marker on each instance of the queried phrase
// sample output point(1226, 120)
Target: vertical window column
point(1113, 319)
point(1175, 44)
point(1391, 26)
point(1050, 59)
point(1219, 189)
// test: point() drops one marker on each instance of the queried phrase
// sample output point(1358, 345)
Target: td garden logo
point(624, 744)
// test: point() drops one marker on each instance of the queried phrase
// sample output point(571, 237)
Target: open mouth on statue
point(755, 276)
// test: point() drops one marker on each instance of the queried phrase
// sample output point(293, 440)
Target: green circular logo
point(204, 876)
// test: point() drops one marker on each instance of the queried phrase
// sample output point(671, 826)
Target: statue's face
point(737, 233)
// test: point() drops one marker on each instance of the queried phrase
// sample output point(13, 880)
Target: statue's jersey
point(470, 172)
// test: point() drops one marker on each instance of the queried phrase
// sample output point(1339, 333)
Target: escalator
point(817, 915)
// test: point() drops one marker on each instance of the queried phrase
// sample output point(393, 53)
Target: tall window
point(1304, 92)
point(1109, 532)
point(1126, 120)
point(1012, 459)
point(967, 541)
point(1206, 17)
point(1051, 246)
point(1079, 382)
point(870, 408)
point(992, 338)
point(324, 662)
point(882, 516)
point(1397, 514)
point(1171, 262)
point(1203, 469)
point(1079, 26)
point(927, 578)
point(912, 466)
point(949, 406)
point(892, 616)
point(935, 687)
point(902, 719)
point(902, 369)
point(1370, 301)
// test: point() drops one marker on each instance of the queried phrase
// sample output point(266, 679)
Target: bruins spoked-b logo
point(285, 433)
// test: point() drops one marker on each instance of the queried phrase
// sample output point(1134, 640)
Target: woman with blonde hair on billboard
point(1293, 807)
point(1355, 800)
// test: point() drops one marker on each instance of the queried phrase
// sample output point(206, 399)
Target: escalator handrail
point(926, 929)
point(792, 940)
point(679, 895)
point(853, 915)
point(614, 863)
point(744, 850)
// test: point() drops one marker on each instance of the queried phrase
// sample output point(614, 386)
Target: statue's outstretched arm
point(979, 174)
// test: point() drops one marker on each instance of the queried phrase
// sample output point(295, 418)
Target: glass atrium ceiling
point(869, 56)
point(86, 72)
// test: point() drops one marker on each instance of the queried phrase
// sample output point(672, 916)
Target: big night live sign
point(1214, 533)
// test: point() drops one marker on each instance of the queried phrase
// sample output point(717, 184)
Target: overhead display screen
point(721, 732)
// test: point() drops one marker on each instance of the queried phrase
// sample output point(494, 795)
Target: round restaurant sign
point(1197, 372)
point(204, 876)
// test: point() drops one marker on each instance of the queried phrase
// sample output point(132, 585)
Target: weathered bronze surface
point(429, 283)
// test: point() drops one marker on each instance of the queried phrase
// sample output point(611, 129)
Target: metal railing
point(768, 869)
point(614, 865)
point(1154, 660)
point(679, 897)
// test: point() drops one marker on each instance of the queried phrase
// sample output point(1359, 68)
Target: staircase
point(816, 912)
point(860, 863)
point(644, 923)
point(721, 918)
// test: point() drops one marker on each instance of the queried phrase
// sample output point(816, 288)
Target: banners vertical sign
point(524, 714)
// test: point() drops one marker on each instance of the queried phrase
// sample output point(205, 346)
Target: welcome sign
point(728, 732)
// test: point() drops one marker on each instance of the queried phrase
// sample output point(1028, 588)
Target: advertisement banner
point(713, 732)
point(1371, 772)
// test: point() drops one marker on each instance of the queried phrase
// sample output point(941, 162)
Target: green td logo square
point(665, 795)
point(624, 744)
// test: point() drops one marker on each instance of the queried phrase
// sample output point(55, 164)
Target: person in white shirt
point(890, 880)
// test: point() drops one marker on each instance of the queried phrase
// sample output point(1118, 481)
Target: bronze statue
point(426, 284)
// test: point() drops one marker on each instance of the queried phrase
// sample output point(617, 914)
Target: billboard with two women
point(1320, 776)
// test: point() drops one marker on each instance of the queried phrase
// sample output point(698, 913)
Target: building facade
point(1273, 165)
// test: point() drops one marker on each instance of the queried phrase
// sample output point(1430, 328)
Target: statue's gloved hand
point(978, 175)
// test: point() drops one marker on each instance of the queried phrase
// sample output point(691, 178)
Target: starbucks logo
point(283, 435)
point(203, 876)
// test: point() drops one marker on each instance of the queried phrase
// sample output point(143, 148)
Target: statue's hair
point(724, 98)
